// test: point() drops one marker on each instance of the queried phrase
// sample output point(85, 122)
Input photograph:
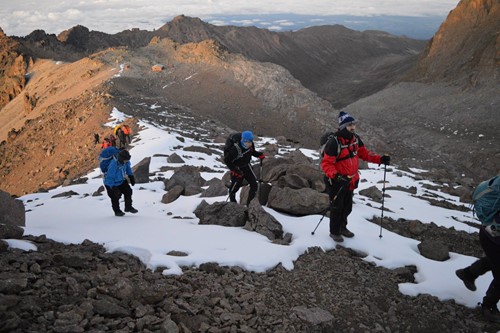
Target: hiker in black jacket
point(237, 155)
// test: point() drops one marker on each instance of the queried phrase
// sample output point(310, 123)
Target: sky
point(160, 228)
point(21, 17)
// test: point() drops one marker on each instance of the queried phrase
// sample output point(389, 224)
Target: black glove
point(116, 191)
point(342, 180)
point(385, 159)
point(132, 180)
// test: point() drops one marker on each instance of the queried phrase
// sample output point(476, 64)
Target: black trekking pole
point(230, 191)
point(321, 219)
point(260, 183)
point(383, 195)
point(324, 214)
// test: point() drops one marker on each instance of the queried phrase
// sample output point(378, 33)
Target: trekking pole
point(324, 214)
point(260, 183)
point(383, 195)
point(230, 190)
point(321, 219)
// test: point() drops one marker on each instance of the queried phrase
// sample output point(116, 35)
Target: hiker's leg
point(235, 186)
point(479, 267)
point(492, 251)
point(127, 194)
point(115, 200)
point(252, 181)
point(347, 207)
point(337, 198)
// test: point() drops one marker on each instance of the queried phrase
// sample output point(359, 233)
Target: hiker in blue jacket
point(116, 183)
point(237, 155)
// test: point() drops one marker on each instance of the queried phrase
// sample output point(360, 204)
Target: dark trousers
point(236, 183)
point(340, 205)
point(116, 192)
point(492, 250)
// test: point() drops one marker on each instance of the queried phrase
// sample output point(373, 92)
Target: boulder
point(300, 202)
point(262, 222)
point(434, 250)
point(373, 193)
point(174, 158)
point(227, 214)
point(216, 188)
point(11, 210)
point(173, 194)
point(8, 231)
point(141, 171)
point(185, 176)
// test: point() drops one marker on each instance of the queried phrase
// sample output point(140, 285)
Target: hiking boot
point(337, 238)
point(347, 233)
point(131, 210)
point(491, 314)
point(119, 213)
point(468, 282)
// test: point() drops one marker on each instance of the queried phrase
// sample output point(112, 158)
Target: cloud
point(111, 16)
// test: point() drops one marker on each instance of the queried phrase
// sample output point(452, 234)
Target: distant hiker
point(116, 184)
point(488, 213)
point(238, 152)
point(109, 141)
point(127, 131)
point(339, 162)
point(97, 139)
point(122, 141)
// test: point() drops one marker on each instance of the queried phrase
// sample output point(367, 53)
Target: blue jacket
point(117, 172)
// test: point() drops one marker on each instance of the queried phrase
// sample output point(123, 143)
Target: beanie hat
point(247, 136)
point(124, 155)
point(345, 119)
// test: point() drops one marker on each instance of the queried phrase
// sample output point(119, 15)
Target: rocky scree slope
point(80, 287)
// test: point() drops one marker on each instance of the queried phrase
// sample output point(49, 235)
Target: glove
point(116, 191)
point(385, 159)
point(262, 156)
point(132, 180)
point(342, 180)
point(238, 175)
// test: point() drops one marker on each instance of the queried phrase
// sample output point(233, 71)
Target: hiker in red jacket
point(340, 165)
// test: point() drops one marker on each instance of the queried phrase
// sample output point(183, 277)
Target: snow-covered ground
point(159, 228)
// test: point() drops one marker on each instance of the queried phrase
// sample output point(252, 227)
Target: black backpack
point(232, 141)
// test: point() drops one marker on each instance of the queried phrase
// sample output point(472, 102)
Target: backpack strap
point(352, 152)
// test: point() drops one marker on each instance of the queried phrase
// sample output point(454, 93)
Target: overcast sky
point(20, 17)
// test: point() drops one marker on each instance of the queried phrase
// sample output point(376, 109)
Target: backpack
point(126, 130)
point(106, 156)
point(232, 140)
point(486, 200)
point(326, 137)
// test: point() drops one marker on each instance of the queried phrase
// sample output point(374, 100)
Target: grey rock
point(141, 171)
point(11, 210)
point(434, 250)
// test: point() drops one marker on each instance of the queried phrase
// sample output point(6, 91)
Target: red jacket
point(345, 165)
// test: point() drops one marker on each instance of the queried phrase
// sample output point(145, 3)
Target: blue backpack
point(106, 156)
point(486, 200)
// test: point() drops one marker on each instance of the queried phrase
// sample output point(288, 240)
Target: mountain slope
point(339, 64)
point(448, 120)
point(466, 47)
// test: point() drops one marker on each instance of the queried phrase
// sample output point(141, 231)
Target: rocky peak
point(77, 36)
point(12, 70)
point(465, 46)
point(185, 29)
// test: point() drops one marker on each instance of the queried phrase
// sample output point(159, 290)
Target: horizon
point(412, 18)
